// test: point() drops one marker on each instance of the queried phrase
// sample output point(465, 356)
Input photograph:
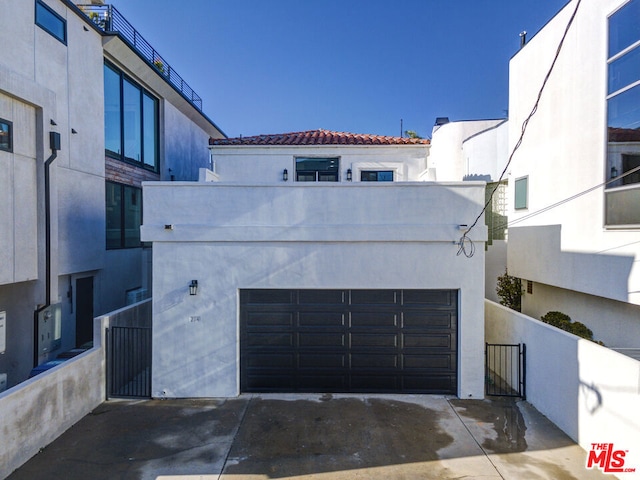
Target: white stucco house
point(85, 117)
point(574, 213)
point(315, 261)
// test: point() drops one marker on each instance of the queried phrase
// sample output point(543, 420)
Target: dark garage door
point(348, 341)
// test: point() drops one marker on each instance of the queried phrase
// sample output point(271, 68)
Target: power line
point(464, 238)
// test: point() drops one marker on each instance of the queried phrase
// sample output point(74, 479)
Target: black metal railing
point(129, 362)
point(108, 19)
point(505, 370)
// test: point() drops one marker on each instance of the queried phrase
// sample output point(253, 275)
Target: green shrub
point(563, 321)
point(509, 290)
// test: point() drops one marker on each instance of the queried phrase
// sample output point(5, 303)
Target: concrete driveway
point(312, 437)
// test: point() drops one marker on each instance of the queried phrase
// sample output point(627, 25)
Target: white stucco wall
point(587, 390)
point(232, 237)
point(564, 154)
point(472, 147)
point(266, 163)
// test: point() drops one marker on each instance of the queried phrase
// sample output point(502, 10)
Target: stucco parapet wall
point(401, 212)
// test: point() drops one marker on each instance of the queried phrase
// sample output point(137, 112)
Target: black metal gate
point(129, 362)
point(505, 370)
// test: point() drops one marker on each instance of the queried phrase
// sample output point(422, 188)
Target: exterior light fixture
point(285, 175)
point(614, 172)
point(193, 287)
point(349, 175)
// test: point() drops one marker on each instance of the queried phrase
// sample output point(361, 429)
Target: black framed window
point(130, 120)
point(6, 135)
point(376, 176)
point(623, 118)
point(124, 215)
point(317, 169)
point(50, 21)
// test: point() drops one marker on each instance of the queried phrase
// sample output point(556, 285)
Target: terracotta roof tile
point(319, 137)
point(624, 134)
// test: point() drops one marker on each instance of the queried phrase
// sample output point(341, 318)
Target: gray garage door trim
point(348, 341)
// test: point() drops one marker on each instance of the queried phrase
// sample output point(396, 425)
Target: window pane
point(114, 215)
point(6, 142)
point(51, 22)
point(622, 207)
point(521, 193)
point(624, 27)
point(112, 132)
point(306, 176)
point(375, 176)
point(630, 162)
point(320, 169)
point(624, 110)
point(150, 108)
point(132, 216)
point(132, 121)
point(624, 71)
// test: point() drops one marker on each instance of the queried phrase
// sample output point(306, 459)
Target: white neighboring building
point(312, 282)
point(581, 257)
point(60, 73)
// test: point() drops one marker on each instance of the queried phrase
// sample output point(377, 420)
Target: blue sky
point(275, 66)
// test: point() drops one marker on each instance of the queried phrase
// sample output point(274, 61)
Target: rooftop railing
point(108, 19)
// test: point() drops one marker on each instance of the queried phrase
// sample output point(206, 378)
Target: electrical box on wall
point(49, 329)
point(3, 332)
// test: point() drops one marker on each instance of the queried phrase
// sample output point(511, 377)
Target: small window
point(317, 169)
point(521, 193)
point(376, 176)
point(51, 22)
point(124, 215)
point(6, 135)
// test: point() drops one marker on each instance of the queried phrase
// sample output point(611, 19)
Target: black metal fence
point(505, 370)
point(129, 362)
point(108, 19)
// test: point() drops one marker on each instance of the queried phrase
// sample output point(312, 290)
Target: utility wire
point(464, 239)
point(566, 200)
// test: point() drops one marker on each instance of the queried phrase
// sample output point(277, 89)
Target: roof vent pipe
point(523, 38)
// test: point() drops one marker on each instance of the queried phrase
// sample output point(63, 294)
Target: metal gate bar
point(505, 370)
point(129, 362)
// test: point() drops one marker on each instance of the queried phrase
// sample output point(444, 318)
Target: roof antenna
point(523, 38)
point(401, 134)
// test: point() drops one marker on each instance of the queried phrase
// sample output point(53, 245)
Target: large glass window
point(6, 135)
point(124, 215)
point(623, 117)
point(317, 169)
point(51, 22)
point(131, 120)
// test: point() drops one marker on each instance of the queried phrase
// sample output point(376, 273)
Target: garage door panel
point(267, 296)
point(374, 340)
point(428, 320)
point(374, 319)
point(374, 360)
point(322, 297)
point(349, 341)
point(271, 360)
point(321, 319)
point(429, 362)
point(329, 360)
point(428, 341)
point(270, 339)
point(321, 340)
point(374, 297)
point(260, 319)
point(432, 298)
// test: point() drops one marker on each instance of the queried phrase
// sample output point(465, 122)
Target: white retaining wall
point(591, 392)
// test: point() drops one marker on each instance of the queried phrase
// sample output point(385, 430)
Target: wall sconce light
point(349, 175)
point(614, 172)
point(193, 287)
point(285, 175)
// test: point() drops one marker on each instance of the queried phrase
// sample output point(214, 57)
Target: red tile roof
point(624, 135)
point(319, 137)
